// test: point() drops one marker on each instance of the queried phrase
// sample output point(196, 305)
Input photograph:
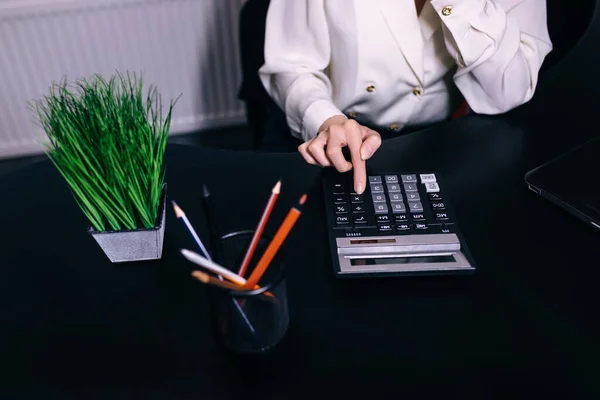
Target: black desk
point(73, 323)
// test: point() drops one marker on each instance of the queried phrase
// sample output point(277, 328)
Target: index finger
point(354, 140)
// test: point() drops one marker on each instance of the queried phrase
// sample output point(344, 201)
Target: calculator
point(402, 224)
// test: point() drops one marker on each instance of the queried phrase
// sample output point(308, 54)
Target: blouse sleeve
point(499, 47)
point(297, 52)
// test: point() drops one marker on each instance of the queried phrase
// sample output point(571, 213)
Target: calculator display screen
point(402, 260)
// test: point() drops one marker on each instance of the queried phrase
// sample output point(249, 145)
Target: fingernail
point(366, 153)
point(359, 188)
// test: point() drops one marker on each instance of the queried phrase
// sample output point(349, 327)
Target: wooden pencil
point(181, 215)
point(260, 228)
point(213, 267)
point(276, 243)
point(204, 277)
point(210, 280)
point(217, 269)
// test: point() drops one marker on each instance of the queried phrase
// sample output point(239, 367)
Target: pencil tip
point(302, 199)
point(205, 191)
point(178, 211)
point(200, 276)
point(277, 187)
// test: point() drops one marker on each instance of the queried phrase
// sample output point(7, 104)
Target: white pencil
point(213, 267)
point(180, 214)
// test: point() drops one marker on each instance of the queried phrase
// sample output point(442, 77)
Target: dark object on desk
point(401, 225)
point(215, 244)
point(267, 316)
point(568, 181)
point(244, 325)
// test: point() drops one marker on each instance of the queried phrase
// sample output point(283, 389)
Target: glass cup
point(250, 321)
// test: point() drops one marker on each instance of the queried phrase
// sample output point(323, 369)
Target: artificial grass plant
point(108, 139)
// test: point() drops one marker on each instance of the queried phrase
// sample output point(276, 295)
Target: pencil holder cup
point(250, 321)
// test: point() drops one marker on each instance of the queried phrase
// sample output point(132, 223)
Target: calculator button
point(435, 196)
point(409, 178)
point(357, 198)
point(383, 219)
point(410, 187)
point(432, 187)
point(358, 208)
point(413, 196)
point(341, 220)
point(374, 179)
point(447, 228)
point(341, 209)
point(438, 206)
point(340, 199)
point(391, 179)
point(376, 188)
point(379, 198)
point(360, 219)
point(401, 217)
point(442, 228)
point(381, 208)
point(393, 188)
point(427, 178)
point(420, 227)
point(402, 227)
point(441, 216)
point(418, 217)
point(398, 208)
point(338, 188)
point(395, 197)
point(385, 228)
point(415, 207)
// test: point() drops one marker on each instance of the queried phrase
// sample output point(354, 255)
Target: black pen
point(215, 238)
point(218, 254)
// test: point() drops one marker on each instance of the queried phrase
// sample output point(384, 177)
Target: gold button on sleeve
point(371, 88)
point(417, 91)
point(352, 114)
point(446, 11)
point(395, 127)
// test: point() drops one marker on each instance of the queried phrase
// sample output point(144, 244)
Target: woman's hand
point(337, 132)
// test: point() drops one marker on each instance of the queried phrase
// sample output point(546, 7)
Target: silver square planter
point(134, 245)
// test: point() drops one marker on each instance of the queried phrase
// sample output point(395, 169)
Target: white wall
point(185, 47)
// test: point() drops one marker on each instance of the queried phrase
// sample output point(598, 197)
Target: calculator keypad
point(392, 204)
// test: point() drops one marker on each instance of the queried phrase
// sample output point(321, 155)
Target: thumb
point(371, 142)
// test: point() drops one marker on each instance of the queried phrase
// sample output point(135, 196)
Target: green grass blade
point(108, 142)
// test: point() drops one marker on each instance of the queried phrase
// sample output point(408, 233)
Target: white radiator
point(185, 47)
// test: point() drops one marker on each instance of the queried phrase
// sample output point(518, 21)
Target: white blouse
point(378, 62)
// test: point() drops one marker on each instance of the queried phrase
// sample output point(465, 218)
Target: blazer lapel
point(402, 21)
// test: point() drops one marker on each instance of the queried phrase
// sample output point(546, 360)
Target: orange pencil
point(217, 269)
point(210, 280)
point(205, 278)
point(260, 228)
point(276, 243)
